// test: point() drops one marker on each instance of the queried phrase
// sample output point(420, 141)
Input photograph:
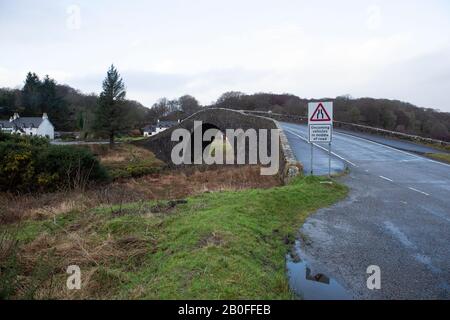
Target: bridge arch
point(223, 119)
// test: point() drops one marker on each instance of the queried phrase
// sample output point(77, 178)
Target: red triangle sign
point(320, 114)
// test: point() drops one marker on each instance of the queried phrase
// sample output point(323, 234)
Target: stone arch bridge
point(223, 119)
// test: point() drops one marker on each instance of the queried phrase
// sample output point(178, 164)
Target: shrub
point(66, 166)
point(32, 164)
point(16, 166)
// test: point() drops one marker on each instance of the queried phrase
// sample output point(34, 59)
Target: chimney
point(16, 116)
point(11, 119)
point(179, 120)
point(44, 116)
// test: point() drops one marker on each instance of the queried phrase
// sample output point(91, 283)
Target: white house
point(32, 126)
point(160, 126)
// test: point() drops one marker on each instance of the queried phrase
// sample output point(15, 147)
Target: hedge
point(32, 164)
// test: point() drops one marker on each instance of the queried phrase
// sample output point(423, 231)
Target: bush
point(32, 164)
point(66, 166)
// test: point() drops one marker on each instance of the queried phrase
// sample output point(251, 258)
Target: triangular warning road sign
point(320, 114)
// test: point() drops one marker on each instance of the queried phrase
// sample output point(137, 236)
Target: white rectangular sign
point(320, 121)
point(320, 133)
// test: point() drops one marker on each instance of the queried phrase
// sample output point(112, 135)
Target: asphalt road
point(397, 216)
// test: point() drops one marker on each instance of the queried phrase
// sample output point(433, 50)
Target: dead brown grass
point(42, 262)
point(78, 246)
point(168, 185)
point(120, 153)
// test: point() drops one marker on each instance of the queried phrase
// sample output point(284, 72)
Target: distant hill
point(68, 108)
point(71, 110)
point(381, 113)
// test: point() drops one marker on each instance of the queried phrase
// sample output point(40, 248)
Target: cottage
point(32, 126)
point(160, 126)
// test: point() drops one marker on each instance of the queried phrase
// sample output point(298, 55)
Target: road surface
point(397, 216)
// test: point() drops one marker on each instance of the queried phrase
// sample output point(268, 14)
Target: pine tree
point(110, 111)
point(53, 104)
point(31, 96)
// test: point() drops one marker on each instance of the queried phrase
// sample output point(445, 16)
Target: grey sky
point(385, 49)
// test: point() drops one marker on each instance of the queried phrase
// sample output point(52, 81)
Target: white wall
point(46, 129)
point(30, 131)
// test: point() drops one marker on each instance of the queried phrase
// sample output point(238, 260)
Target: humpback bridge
point(222, 120)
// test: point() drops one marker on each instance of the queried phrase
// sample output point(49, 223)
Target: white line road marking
point(389, 147)
point(336, 133)
point(386, 179)
point(418, 191)
point(320, 147)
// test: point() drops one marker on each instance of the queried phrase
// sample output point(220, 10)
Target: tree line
point(110, 113)
point(104, 115)
point(381, 113)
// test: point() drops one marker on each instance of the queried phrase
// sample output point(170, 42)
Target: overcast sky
point(384, 49)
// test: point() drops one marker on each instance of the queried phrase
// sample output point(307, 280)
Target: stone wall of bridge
point(223, 119)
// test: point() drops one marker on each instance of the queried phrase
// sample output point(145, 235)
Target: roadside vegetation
point(444, 157)
point(70, 110)
point(30, 164)
point(126, 160)
point(214, 245)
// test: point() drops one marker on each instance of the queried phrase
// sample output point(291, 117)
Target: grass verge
point(444, 157)
point(126, 160)
point(221, 245)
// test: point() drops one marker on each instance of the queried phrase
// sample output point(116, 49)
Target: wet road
point(397, 216)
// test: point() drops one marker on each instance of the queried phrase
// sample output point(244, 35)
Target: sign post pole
point(320, 128)
point(329, 160)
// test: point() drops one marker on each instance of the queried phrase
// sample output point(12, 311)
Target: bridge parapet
point(223, 119)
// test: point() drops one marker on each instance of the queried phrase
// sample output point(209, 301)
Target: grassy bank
point(126, 160)
point(220, 245)
point(444, 157)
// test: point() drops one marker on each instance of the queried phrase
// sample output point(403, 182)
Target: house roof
point(167, 123)
point(6, 124)
point(149, 128)
point(22, 122)
point(160, 124)
point(28, 122)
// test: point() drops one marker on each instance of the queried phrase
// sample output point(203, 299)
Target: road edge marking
point(320, 147)
point(392, 148)
point(390, 180)
point(413, 189)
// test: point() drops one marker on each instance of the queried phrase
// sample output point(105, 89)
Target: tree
point(439, 131)
point(7, 102)
point(110, 111)
point(161, 108)
point(389, 119)
point(53, 104)
point(31, 96)
point(188, 104)
point(354, 114)
point(229, 99)
point(80, 121)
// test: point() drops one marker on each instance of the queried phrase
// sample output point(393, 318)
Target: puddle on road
point(310, 286)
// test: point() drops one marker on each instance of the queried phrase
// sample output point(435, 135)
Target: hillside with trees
point(69, 109)
point(72, 110)
point(381, 113)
